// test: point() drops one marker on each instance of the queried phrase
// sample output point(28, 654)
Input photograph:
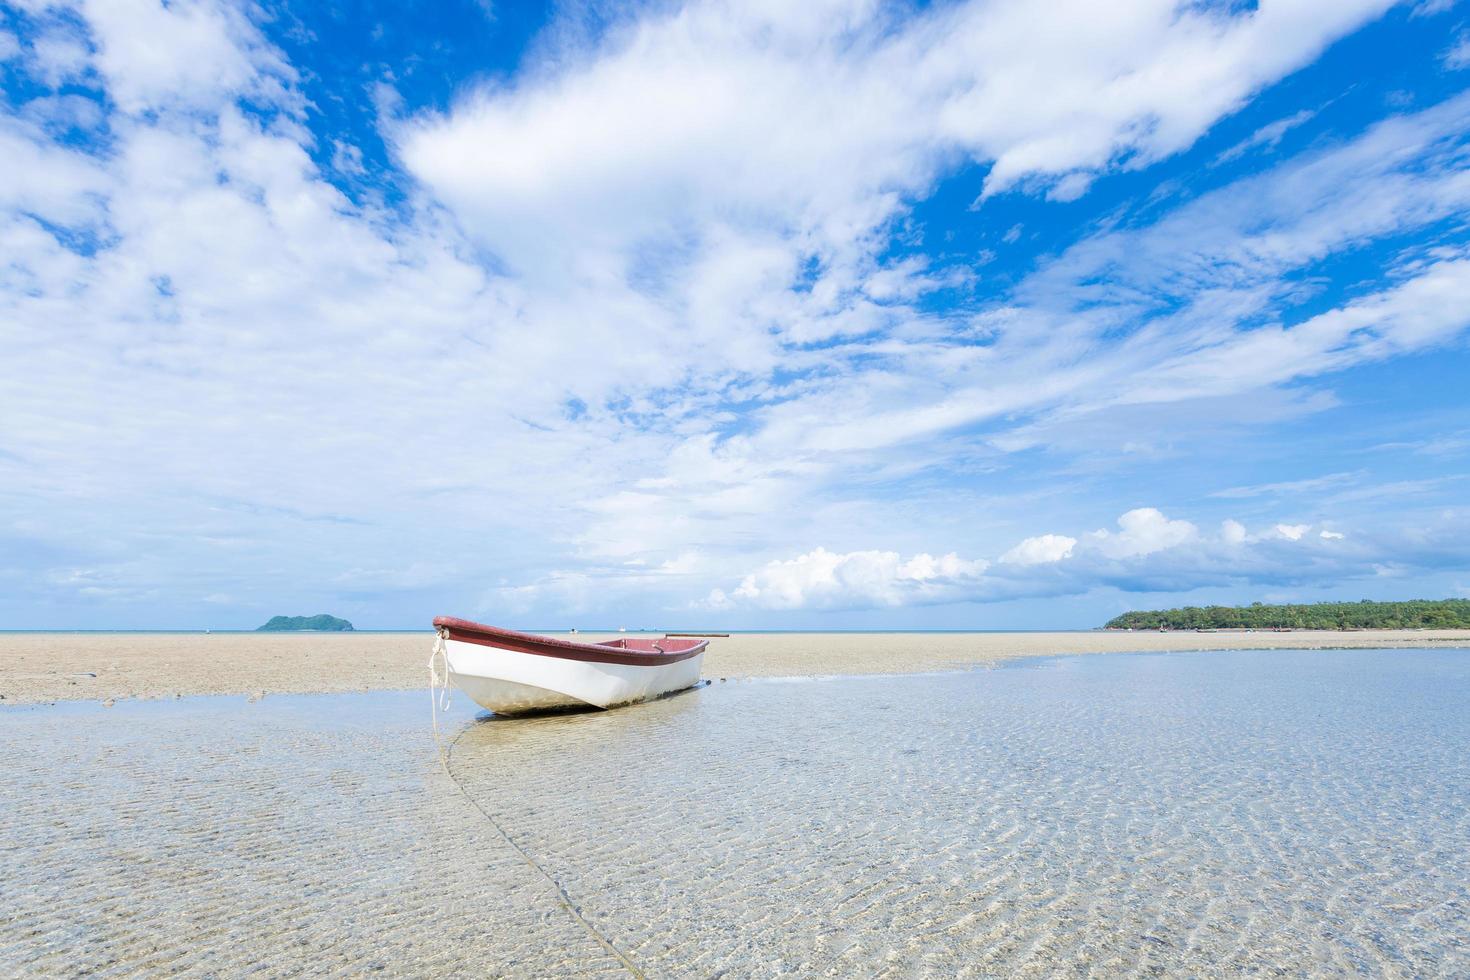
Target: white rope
point(439, 699)
point(563, 897)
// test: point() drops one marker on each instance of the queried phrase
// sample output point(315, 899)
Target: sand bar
point(42, 667)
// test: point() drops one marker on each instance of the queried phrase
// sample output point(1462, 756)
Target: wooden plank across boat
point(507, 671)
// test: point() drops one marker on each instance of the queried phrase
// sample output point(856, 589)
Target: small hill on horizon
point(1364, 615)
point(321, 623)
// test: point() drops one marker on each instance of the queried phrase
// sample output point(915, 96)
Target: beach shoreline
point(47, 667)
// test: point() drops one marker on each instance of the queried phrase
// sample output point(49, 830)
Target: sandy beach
point(44, 667)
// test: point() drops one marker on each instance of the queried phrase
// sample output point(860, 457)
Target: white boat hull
point(509, 682)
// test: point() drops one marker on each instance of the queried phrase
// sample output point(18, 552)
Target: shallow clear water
point(1197, 814)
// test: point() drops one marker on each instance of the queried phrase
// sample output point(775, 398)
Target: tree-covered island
point(322, 624)
point(1365, 615)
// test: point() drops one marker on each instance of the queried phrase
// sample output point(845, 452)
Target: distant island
point(1365, 615)
point(322, 623)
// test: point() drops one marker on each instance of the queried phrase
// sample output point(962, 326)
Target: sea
point(1285, 812)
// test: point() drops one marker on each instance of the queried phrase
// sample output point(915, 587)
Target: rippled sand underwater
point(1195, 814)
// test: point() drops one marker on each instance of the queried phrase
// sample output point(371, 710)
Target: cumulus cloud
point(1142, 531)
point(1232, 531)
point(1039, 550)
point(1149, 552)
point(194, 53)
point(821, 579)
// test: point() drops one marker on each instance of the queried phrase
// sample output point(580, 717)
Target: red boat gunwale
point(637, 652)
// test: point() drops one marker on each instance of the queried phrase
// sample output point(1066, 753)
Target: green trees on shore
point(1413, 614)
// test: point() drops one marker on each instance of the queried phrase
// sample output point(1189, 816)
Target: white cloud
point(709, 131)
point(186, 53)
point(1310, 485)
point(682, 564)
point(60, 57)
point(1268, 136)
point(1226, 256)
point(49, 181)
point(1142, 531)
point(1039, 550)
point(347, 159)
point(1232, 531)
point(1427, 309)
point(1150, 553)
point(1458, 56)
point(860, 579)
point(677, 212)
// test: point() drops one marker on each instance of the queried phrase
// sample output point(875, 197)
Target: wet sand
point(45, 667)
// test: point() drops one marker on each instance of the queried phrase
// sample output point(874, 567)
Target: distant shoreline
point(38, 667)
point(1365, 614)
point(426, 631)
point(558, 631)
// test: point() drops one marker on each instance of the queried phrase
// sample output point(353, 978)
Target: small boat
point(509, 672)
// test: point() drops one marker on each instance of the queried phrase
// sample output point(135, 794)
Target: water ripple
point(1220, 814)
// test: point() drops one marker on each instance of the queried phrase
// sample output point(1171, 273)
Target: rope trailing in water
point(440, 702)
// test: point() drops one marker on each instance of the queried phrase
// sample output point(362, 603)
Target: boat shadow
point(563, 711)
point(496, 741)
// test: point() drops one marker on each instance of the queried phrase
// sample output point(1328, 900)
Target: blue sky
point(750, 315)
